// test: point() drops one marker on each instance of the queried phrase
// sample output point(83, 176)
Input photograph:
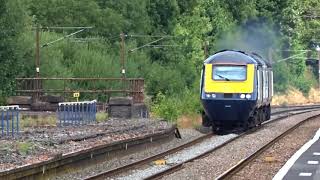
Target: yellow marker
point(160, 162)
point(269, 159)
point(76, 95)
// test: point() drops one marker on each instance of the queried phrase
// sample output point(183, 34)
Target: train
point(236, 90)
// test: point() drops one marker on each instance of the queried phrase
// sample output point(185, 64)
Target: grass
point(101, 117)
point(189, 121)
point(36, 122)
point(24, 147)
point(52, 120)
point(5, 147)
point(295, 97)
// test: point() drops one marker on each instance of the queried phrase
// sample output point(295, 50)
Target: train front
point(227, 89)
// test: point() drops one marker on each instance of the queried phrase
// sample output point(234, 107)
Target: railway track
point(241, 164)
point(176, 167)
point(61, 164)
point(293, 108)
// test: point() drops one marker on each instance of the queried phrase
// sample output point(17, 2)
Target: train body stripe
point(212, 86)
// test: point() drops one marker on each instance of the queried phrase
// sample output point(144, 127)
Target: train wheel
point(252, 121)
point(217, 130)
point(268, 112)
point(264, 113)
point(245, 125)
point(260, 116)
point(256, 116)
point(205, 120)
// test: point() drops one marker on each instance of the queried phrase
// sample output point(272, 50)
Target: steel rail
point(242, 163)
point(180, 165)
point(44, 168)
point(115, 171)
point(297, 108)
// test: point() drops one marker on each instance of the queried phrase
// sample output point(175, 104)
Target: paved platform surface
point(304, 164)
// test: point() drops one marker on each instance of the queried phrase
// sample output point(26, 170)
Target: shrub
point(303, 84)
point(171, 107)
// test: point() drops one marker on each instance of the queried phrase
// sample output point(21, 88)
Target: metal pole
point(2, 122)
point(123, 72)
point(122, 61)
point(319, 67)
point(37, 52)
point(37, 60)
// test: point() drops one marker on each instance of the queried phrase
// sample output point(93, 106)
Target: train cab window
point(229, 73)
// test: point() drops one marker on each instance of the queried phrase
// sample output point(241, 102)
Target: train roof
point(236, 57)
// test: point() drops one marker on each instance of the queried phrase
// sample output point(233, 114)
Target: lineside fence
point(77, 113)
point(93, 88)
point(9, 121)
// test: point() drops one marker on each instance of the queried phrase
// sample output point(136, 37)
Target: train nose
point(228, 112)
point(232, 110)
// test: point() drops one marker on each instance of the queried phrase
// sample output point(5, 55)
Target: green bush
point(3, 100)
point(281, 77)
point(171, 107)
point(303, 84)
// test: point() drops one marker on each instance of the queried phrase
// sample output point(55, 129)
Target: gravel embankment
point(123, 158)
point(269, 162)
point(176, 158)
point(40, 144)
point(219, 161)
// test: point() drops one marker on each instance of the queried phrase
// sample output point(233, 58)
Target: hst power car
point(236, 90)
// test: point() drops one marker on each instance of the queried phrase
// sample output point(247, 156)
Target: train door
point(260, 84)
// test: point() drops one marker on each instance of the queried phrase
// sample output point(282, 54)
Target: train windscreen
point(229, 73)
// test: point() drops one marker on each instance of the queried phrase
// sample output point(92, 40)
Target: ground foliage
point(171, 71)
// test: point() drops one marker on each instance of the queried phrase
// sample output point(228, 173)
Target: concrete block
point(44, 106)
point(51, 99)
point(19, 100)
point(120, 111)
point(120, 101)
point(140, 110)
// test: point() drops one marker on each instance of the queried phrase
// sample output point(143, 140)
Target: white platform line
point(284, 170)
point(313, 162)
point(305, 174)
point(316, 153)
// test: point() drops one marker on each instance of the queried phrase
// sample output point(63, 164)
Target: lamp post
point(318, 50)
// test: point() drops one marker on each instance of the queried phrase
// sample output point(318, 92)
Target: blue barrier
point(77, 113)
point(9, 120)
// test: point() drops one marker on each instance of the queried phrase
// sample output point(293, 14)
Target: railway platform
point(304, 164)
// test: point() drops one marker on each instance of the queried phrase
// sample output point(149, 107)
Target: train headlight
point(242, 96)
point(213, 95)
point(248, 96)
point(208, 95)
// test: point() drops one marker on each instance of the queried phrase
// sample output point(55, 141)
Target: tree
point(14, 23)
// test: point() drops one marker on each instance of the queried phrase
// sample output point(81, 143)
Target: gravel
point(222, 159)
point(125, 158)
point(280, 152)
point(178, 157)
point(40, 144)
